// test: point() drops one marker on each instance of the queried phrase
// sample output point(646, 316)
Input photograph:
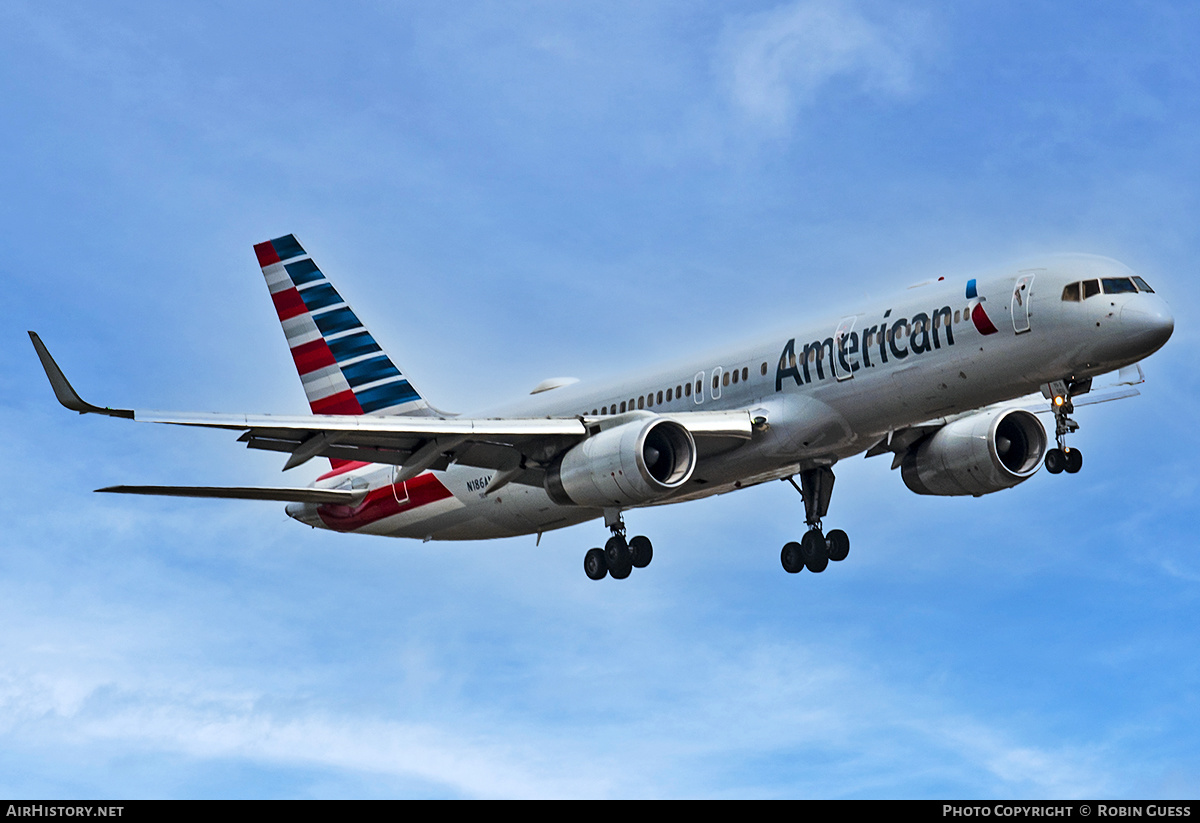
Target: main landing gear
point(618, 557)
point(815, 549)
point(1062, 458)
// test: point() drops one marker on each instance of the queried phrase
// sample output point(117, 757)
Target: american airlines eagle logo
point(978, 316)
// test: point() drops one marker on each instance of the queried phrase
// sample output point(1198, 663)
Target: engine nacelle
point(976, 455)
point(631, 463)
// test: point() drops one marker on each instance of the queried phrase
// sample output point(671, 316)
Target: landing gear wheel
point(791, 558)
point(1056, 461)
point(837, 544)
point(1074, 461)
point(616, 552)
point(641, 552)
point(814, 551)
point(620, 572)
point(594, 564)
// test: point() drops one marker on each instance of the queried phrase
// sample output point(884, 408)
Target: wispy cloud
point(774, 63)
point(786, 701)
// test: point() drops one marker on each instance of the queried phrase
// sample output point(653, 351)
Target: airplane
point(936, 377)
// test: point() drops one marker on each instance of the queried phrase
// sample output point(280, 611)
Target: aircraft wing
point(518, 447)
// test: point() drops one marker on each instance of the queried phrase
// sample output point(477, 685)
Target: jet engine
point(977, 455)
point(630, 463)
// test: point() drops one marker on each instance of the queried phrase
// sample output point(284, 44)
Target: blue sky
point(508, 192)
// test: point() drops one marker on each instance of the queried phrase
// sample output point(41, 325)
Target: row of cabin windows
point(735, 376)
point(682, 390)
point(1083, 289)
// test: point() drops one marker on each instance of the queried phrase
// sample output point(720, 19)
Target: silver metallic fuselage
point(881, 375)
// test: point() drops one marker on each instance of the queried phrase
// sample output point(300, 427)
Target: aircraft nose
point(1147, 322)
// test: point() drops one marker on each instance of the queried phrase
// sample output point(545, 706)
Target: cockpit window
point(1118, 285)
point(1143, 285)
point(1090, 288)
point(1071, 293)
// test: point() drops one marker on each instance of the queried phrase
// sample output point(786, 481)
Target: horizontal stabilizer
point(282, 495)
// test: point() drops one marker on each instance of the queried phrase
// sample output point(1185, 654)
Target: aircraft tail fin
point(343, 369)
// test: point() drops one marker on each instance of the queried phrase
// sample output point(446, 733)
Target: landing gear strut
point(618, 557)
point(1062, 458)
point(815, 549)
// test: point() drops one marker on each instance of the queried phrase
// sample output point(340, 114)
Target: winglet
point(63, 390)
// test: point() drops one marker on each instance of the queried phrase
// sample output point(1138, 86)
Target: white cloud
point(769, 700)
point(776, 62)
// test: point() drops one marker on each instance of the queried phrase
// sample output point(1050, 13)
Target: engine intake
point(631, 463)
point(977, 455)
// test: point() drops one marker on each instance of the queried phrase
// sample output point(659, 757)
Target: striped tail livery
point(343, 369)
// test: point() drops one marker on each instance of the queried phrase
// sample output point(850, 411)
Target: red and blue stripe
point(343, 368)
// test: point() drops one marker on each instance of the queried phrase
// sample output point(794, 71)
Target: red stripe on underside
point(288, 303)
point(343, 466)
point(312, 356)
point(380, 503)
point(266, 254)
point(341, 403)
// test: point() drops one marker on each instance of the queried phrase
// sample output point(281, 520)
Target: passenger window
point(763, 370)
point(735, 375)
point(669, 395)
point(1118, 285)
point(622, 407)
point(641, 402)
point(1143, 285)
point(725, 379)
point(687, 390)
point(1071, 293)
point(745, 372)
point(956, 317)
point(1090, 288)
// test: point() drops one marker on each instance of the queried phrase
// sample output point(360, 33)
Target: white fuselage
point(832, 390)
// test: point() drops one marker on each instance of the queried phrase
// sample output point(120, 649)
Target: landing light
point(1058, 400)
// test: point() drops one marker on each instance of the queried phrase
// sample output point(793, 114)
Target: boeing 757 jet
point(935, 377)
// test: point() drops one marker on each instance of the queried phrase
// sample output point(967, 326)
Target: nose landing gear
point(815, 549)
point(1063, 458)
